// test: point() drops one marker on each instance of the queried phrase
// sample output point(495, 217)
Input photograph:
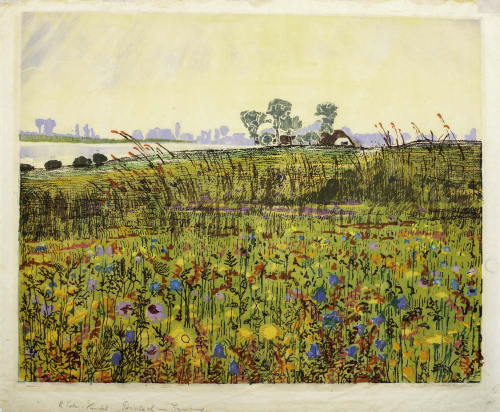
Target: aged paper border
point(31, 397)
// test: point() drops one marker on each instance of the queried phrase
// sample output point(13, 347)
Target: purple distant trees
point(39, 123)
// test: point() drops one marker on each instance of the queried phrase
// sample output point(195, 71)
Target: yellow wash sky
point(138, 72)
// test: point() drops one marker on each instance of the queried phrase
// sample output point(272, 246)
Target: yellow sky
point(133, 72)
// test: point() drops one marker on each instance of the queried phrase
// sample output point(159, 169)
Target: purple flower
point(92, 284)
point(333, 280)
point(289, 298)
point(206, 297)
point(382, 356)
point(156, 312)
point(421, 209)
point(129, 336)
point(31, 353)
point(314, 352)
point(219, 351)
point(331, 320)
point(456, 268)
point(47, 310)
point(320, 295)
point(220, 296)
point(99, 251)
point(423, 282)
point(373, 246)
point(472, 272)
point(351, 351)
point(435, 273)
point(109, 250)
point(152, 352)
point(125, 309)
point(361, 329)
point(378, 320)
point(35, 299)
point(380, 344)
point(233, 368)
point(116, 359)
point(138, 259)
point(403, 303)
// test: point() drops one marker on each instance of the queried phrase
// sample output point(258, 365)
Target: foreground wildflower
point(270, 331)
point(314, 352)
point(219, 351)
point(233, 368)
point(156, 312)
point(125, 309)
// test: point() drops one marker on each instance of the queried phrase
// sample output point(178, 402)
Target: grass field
point(277, 265)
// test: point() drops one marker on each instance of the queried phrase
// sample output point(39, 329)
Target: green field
point(266, 265)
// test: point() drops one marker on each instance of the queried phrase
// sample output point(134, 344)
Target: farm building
point(337, 138)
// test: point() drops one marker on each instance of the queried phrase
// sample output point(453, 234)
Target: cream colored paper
point(17, 396)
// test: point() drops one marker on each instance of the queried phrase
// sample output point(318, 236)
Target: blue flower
point(455, 285)
point(438, 282)
point(418, 239)
point(129, 336)
point(155, 287)
point(176, 285)
point(344, 238)
point(378, 320)
point(361, 329)
point(403, 303)
point(152, 247)
point(357, 236)
point(314, 352)
point(443, 264)
point(446, 249)
point(406, 241)
point(163, 250)
point(331, 320)
point(154, 240)
point(333, 280)
point(52, 284)
point(116, 359)
point(380, 344)
point(98, 267)
point(320, 272)
point(382, 356)
point(434, 247)
point(219, 351)
point(471, 291)
point(108, 269)
point(301, 237)
point(233, 368)
point(320, 295)
point(73, 275)
point(351, 351)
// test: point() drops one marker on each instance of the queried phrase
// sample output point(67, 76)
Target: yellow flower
point(416, 342)
point(288, 367)
point(95, 305)
point(309, 321)
point(286, 341)
point(438, 339)
point(245, 334)
point(270, 332)
point(424, 356)
point(296, 324)
point(452, 331)
point(310, 338)
point(209, 327)
point(183, 338)
point(408, 354)
point(467, 325)
point(393, 362)
point(408, 371)
point(72, 290)
point(231, 313)
point(289, 352)
point(442, 295)
point(396, 346)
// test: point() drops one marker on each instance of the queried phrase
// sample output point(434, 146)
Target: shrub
point(26, 167)
point(99, 159)
point(82, 161)
point(53, 164)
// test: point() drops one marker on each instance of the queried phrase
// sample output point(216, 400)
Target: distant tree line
point(98, 158)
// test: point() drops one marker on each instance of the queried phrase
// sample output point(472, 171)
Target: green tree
point(266, 139)
point(279, 110)
point(82, 161)
point(252, 120)
point(310, 137)
point(328, 112)
point(291, 124)
point(99, 159)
